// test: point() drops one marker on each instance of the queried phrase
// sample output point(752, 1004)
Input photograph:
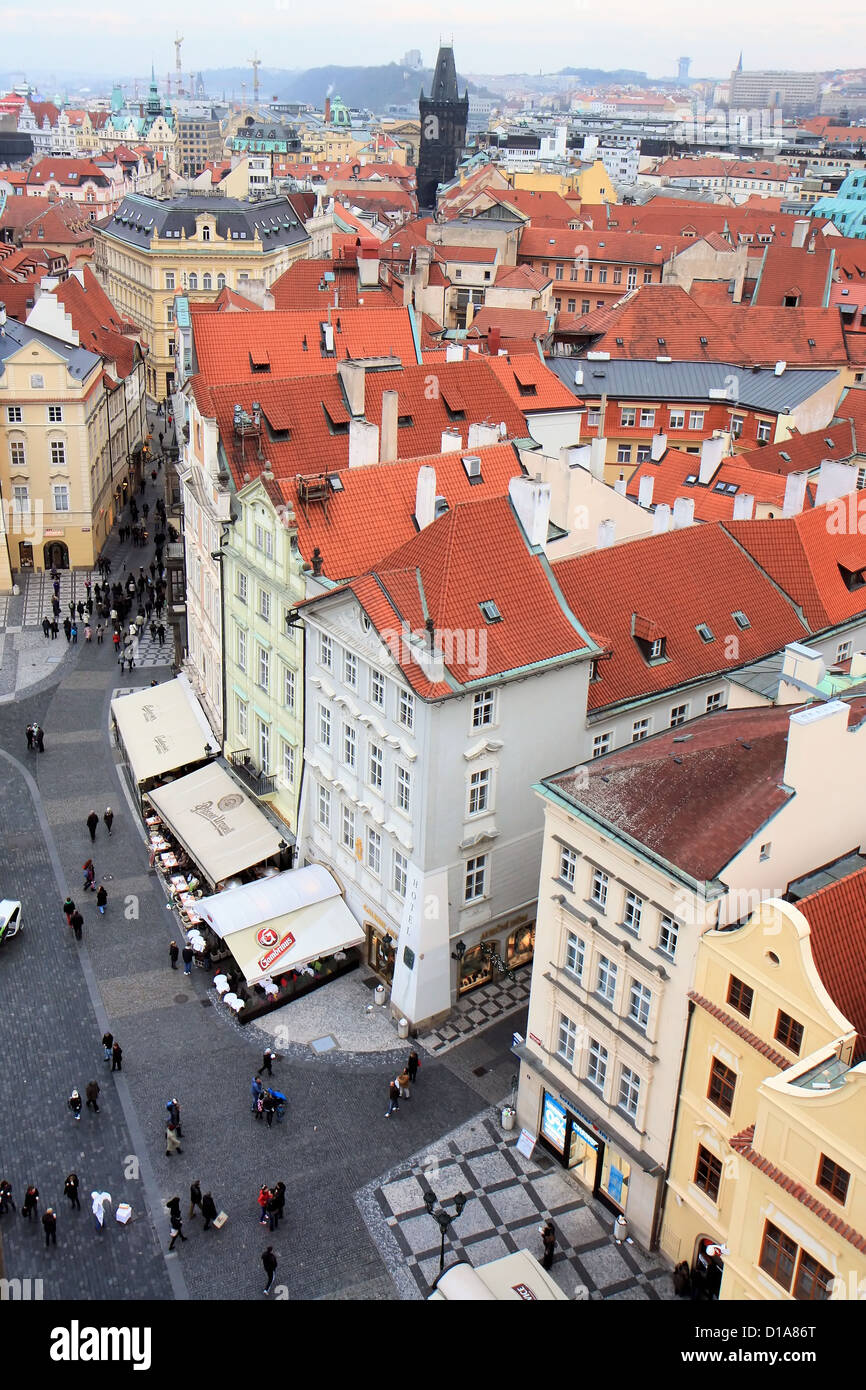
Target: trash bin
point(402, 1027)
point(380, 994)
point(509, 1115)
point(620, 1229)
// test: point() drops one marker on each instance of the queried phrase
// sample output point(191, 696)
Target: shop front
point(500, 948)
point(587, 1151)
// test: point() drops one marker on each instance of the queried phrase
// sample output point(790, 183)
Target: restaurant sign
point(278, 946)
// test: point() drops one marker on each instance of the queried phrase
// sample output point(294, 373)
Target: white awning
point(219, 826)
point(161, 728)
point(281, 923)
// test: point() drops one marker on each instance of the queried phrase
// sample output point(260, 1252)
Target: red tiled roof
point(43, 109)
point(539, 206)
point(520, 277)
point(632, 248)
point(71, 173)
point(708, 293)
point(683, 578)
point(802, 453)
point(223, 342)
point(852, 406)
point(679, 217)
point(742, 1144)
point(837, 920)
point(512, 323)
point(711, 166)
point(303, 286)
point(97, 322)
point(795, 272)
point(483, 255)
point(670, 473)
point(530, 383)
point(659, 311)
point(735, 1026)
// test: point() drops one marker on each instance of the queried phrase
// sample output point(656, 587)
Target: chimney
point(815, 739)
point(645, 490)
point(452, 441)
point(597, 451)
point(684, 513)
point(575, 456)
point(858, 665)
point(390, 411)
point(493, 339)
point(712, 452)
point(425, 496)
point(658, 447)
point(482, 435)
point(661, 519)
point(800, 231)
point(530, 498)
point(744, 507)
point(454, 352)
point(834, 480)
point(606, 534)
point(795, 493)
point(327, 110)
point(800, 664)
point(363, 443)
point(351, 375)
point(620, 486)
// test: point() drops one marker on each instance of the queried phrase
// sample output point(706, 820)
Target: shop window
point(520, 946)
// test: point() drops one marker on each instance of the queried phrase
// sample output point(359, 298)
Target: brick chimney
point(493, 339)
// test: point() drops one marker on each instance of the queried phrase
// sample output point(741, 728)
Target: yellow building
point(589, 182)
point(767, 1185)
point(199, 244)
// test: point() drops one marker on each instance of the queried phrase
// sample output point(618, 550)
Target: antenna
point(177, 43)
point(255, 63)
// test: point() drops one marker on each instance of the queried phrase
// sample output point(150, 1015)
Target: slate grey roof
point(139, 219)
point(80, 363)
point(691, 381)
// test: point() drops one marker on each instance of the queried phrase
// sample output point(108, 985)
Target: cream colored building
point(198, 244)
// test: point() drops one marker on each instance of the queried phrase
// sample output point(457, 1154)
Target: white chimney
point(744, 507)
point(858, 664)
point(452, 441)
point(712, 452)
point(800, 231)
point(684, 513)
point(481, 435)
point(645, 490)
point(795, 493)
point(352, 375)
point(620, 486)
point(597, 451)
point(606, 533)
point(368, 273)
point(658, 447)
point(530, 498)
point(454, 353)
point(835, 480)
point(575, 455)
point(425, 496)
point(363, 443)
point(804, 664)
point(661, 519)
point(390, 412)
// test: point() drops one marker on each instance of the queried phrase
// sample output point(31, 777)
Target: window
point(264, 605)
point(696, 419)
point(476, 879)
point(765, 850)
point(575, 951)
point(587, 274)
point(169, 279)
point(584, 309)
point(242, 586)
point(288, 688)
point(58, 453)
point(631, 278)
point(193, 280)
point(377, 689)
point(241, 712)
point(349, 745)
point(737, 422)
point(789, 1032)
point(264, 667)
point(617, 275)
point(61, 497)
point(598, 888)
point(566, 1039)
point(647, 419)
point(778, 1255)
point(288, 753)
point(708, 1173)
point(221, 281)
point(323, 807)
point(639, 1003)
point(643, 453)
point(668, 935)
point(627, 416)
point(606, 979)
point(374, 852)
point(324, 726)
point(482, 709)
point(741, 620)
point(740, 996)
point(721, 1088)
point(833, 1178)
point(572, 306)
point(269, 546)
point(206, 280)
point(602, 275)
point(558, 272)
point(639, 730)
point(55, 415)
point(406, 709)
point(350, 669)
point(813, 1283)
point(376, 764)
point(265, 746)
point(347, 832)
point(404, 789)
point(401, 874)
point(623, 453)
point(479, 791)
point(21, 500)
point(844, 650)
point(326, 652)
point(632, 912)
point(715, 701)
point(205, 236)
point(596, 1064)
point(13, 414)
point(601, 745)
point(679, 715)
point(764, 431)
point(567, 865)
point(169, 313)
point(629, 1091)
point(677, 420)
point(647, 277)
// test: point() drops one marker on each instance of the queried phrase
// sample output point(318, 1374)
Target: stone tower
point(443, 129)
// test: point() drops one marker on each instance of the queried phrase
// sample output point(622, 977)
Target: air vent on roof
point(779, 368)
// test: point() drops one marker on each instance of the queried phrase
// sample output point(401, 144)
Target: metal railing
point(259, 783)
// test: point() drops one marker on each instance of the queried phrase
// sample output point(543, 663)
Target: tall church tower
point(443, 129)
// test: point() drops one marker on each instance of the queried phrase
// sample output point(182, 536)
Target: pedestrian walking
point(100, 633)
point(55, 630)
point(116, 1057)
point(29, 732)
point(76, 922)
point(548, 1240)
point(153, 632)
point(74, 1103)
point(393, 1098)
point(116, 640)
point(49, 1226)
point(107, 1042)
point(174, 1115)
point(173, 951)
point(31, 1202)
point(280, 1199)
point(194, 1197)
point(208, 1211)
point(69, 908)
point(269, 1107)
point(91, 1091)
point(99, 1201)
point(263, 1198)
point(403, 1084)
point(268, 1057)
point(256, 1089)
point(176, 1230)
point(101, 898)
point(412, 1064)
point(67, 628)
point(88, 632)
point(70, 1190)
point(187, 955)
point(46, 626)
point(89, 875)
point(269, 1260)
point(6, 1197)
point(80, 607)
point(75, 634)
point(108, 817)
point(39, 734)
point(273, 1211)
point(172, 1143)
point(92, 823)
point(160, 632)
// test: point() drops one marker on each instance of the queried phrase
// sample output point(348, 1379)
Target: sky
point(68, 36)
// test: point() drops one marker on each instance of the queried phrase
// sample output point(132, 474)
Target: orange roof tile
point(837, 919)
point(633, 248)
point(97, 322)
point(742, 1144)
point(713, 501)
point(303, 286)
point(530, 383)
point(512, 323)
point(223, 342)
point(803, 453)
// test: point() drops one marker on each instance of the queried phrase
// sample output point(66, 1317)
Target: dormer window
point(853, 579)
point(489, 611)
point(650, 639)
point(705, 633)
point(741, 620)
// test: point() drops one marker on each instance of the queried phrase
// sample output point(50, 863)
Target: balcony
point(259, 783)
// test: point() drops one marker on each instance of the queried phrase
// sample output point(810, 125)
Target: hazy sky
point(69, 35)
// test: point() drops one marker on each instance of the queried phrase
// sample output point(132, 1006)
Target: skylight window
point(489, 611)
point(740, 619)
point(692, 479)
point(705, 633)
point(783, 455)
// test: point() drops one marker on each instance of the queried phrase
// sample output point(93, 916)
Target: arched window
point(221, 282)
point(205, 233)
point(193, 281)
point(206, 281)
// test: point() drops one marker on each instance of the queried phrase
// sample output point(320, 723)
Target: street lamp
point(442, 1217)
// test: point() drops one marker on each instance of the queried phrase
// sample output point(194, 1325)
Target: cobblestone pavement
point(479, 1009)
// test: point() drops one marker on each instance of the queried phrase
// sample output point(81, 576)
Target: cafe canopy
point(161, 728)
point(282, 923)
point(220, 827)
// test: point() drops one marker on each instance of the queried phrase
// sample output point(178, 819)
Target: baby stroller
point(281, 1104)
